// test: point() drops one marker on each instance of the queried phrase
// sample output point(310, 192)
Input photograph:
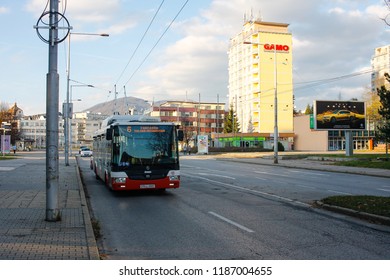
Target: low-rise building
point(33, 132)
point(308, 139)
point(194, 118)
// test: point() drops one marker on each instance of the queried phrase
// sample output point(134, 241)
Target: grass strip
point(377, 205)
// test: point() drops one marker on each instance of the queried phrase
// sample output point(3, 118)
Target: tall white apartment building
point(260, 63)
point(380, 64)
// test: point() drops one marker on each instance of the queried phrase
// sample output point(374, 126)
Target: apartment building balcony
point(256, 87)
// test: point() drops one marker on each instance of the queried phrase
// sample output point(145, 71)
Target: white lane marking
point(231, 222)
point(339, 192)
point(306, 187)
point(11, 167)
point(5, 168)
point(261, 178)
point(216, 175)
point(191, 166)
point(252, 191)
point(269, 173)
point(385, 190)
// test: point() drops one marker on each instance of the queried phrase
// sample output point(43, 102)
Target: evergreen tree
point(250, 128)
point(231, 124)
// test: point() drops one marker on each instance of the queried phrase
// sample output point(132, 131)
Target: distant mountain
point(122, 105)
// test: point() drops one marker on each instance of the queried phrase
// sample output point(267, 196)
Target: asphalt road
point(230, 210)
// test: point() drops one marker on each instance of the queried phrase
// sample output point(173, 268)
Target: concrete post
point(348, 143)
point(52, 96)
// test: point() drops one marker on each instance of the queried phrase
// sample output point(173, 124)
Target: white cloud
point(331, 38)
point(93, 11)
point(4, 10)
point(198, 63)
point(84, 11)
point(121, 27)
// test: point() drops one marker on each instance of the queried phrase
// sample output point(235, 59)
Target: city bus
point(136, 152)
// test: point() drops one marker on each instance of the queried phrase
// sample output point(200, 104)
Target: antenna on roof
point(126, 102)
point(260, 16)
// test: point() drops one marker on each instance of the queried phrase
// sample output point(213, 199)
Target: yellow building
point(260, 65)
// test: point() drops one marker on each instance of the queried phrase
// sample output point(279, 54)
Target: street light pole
point(276, 132)
point(66, 107)
point(69, 132)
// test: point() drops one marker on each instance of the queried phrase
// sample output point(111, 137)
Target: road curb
point(91, 241)
point(358, 214)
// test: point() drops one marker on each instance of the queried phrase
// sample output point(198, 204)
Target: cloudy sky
point(177, 49)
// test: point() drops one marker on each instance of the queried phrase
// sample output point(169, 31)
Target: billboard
point(339, 115)
point(203, 144)
point(5, 143)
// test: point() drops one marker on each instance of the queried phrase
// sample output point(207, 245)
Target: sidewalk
point(24, 233)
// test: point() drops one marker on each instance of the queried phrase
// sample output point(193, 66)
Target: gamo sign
point(278, 48)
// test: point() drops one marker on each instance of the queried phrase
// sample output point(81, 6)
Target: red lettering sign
point(279, 48)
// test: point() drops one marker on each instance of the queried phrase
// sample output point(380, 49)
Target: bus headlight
point(120, 180)
point(174, 175)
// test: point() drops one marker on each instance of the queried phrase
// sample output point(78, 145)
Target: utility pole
point(276, 133)
point(197, 136)
point(68, 110)
point(115, 112)
point(217, 117)
point(52, 113)
point(52, 96)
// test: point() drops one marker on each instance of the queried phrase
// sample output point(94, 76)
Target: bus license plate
point(147, 186)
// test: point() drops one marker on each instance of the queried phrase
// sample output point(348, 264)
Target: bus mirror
point(180, 135)
point(109, 134)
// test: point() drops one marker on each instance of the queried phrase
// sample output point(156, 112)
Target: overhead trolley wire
point(330, 80)
point(140, 42)
point(157, 42)
point(316, 83)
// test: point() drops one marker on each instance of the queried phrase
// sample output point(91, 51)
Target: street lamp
point(66, 128)
point(276, 133)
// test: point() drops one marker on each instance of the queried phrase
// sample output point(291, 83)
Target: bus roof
point(128, 120)
point(123, 119)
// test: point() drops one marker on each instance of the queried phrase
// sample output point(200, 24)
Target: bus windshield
point(144, 145)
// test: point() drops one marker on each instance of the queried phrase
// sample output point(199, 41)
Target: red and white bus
point(134, 152)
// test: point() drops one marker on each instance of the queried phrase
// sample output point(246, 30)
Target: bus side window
point(109, 134)
point(180, 135)
point(115, 153)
